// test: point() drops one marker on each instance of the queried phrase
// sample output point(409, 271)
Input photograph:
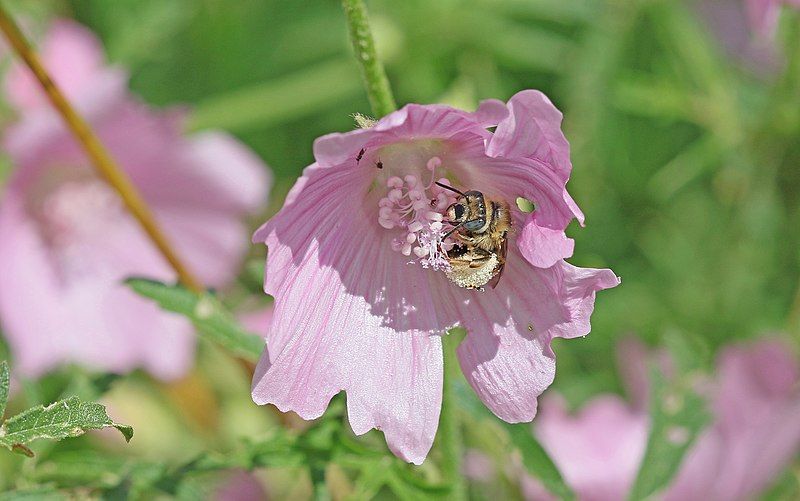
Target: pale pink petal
point(223, 172)
point(240, 486)
point(756, 430)
point(532, 130)
point(258, 321)
point(345, 320)
point(598, 451)
point(95, 320)
point(506, 356)
point(72, 56)
point(412, 122)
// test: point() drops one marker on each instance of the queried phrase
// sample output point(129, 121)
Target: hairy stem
point(450, 437)
point(100, 157)
point(378, 90)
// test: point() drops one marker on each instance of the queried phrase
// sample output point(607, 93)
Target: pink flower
point(598, 450)
point(756, 430)
point(240, 486)
point(755, 401)
point(257, 321)
point(357, 267)
point(763, 14)
point(66, 240)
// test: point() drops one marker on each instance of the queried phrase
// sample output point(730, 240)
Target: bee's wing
point(503, 252)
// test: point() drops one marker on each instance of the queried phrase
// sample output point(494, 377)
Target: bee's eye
point(475, 225)
point(459, 211)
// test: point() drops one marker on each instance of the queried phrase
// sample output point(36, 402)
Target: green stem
point(450, 438)
point(378, 90)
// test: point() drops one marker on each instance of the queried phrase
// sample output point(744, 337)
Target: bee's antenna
point(450, 188)
point(454, 228)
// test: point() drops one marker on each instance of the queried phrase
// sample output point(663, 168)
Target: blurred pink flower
point(763, 15)
point(598, 451)
point(756, 430)
point(240, 486)
point(257, 321)
point(361, 302)
point(755, 401)
point(67, 242)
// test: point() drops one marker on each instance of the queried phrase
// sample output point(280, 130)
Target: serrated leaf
point(207, 314)
point(5, 382)
point(677, 415)
point(66, 418)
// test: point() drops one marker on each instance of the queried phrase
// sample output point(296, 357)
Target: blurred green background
point(686, 149)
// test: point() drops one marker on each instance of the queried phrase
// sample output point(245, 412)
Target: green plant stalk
point(450, 437)
point(375, 81)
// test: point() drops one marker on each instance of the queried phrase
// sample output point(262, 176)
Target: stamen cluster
point(417, 209)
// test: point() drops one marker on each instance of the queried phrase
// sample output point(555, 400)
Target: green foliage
point(677, 415)
point(206, 313)
point(5, 385)
point(66, 418)
point(71, 417)
point(535, 459)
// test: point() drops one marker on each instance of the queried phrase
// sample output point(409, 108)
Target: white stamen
point(408, 205)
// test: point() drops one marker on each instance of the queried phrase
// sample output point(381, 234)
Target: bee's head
point(470, 210)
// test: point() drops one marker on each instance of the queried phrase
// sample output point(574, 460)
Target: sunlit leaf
point(67, 418)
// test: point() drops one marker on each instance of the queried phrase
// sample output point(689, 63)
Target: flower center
point(78, 210)
point(77, 215)
point(415, 208)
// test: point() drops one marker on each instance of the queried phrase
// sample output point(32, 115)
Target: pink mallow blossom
point(66, 240)
point(763, 14)
point(755, 432)
point(357, 266)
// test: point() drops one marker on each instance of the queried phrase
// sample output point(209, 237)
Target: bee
point(481, 227)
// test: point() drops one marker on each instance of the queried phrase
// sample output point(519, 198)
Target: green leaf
point(4, 384)
point(67, 418)
point(678, 414)
point(537, 461)
point(207, 314)
point(36, 493)
point(534, 457)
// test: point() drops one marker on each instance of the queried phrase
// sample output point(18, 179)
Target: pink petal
point(756, 431)
point(599, 450)
point(543, 247)
point(533, 130)
point(73, 57)
point(258, 321)
point(413, 121)
point(506, 356)
point(97, 320)
point(346, 318)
